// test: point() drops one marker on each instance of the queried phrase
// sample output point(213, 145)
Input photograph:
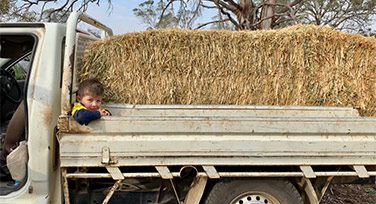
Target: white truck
point(166, 153)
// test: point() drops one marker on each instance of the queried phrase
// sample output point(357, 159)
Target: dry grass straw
point(298, 65)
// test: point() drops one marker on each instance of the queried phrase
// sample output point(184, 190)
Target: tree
point(165, 14)
point(10, 12)
point(43, 10)
point(347, 15)
point(244, 14)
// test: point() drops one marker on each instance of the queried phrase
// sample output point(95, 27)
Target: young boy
point(89, 96)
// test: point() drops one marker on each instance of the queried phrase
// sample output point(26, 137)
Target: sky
point(120, 18)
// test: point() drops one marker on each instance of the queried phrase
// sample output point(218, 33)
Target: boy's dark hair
point(90, 86)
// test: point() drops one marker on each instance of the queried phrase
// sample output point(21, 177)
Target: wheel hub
point(254, 198)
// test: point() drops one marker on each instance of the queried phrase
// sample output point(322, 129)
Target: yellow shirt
point(79, 106)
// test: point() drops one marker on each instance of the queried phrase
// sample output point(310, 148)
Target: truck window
point(16, 52)
point(21, 68)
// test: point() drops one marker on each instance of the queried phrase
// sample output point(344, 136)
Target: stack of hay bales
point(298, 65)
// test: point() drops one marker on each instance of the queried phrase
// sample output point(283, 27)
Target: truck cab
point(31, 61)
point(22, 51)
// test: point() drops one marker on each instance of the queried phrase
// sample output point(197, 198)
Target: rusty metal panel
point(65, 185)
point(63, 124)
point(67, 160)
point(236, 125)
point(164, 172)
point(112, 191)
point(309, 141)
point(309, 190)
point(115, 173)
point(231, 110)
point(105, 155)
point(209, 137)
point(308, 172)
point(361, 171)
point(85, 150)
point(211, 172)
point(218, 145)
point(196, 190)
point(221, 174)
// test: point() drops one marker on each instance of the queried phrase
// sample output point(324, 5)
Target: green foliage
point(347, 15)
point(43, 10)
point(19, 74)
point(4, 6)
point(9, 11)
point(167, 14)
point(150, 13)
point(370, 190)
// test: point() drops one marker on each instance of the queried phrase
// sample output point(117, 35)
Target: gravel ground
point(350, 194)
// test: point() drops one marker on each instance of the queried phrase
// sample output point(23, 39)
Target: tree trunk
point(247, 15)
point(267, 14)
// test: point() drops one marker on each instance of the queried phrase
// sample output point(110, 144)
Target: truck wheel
point(249, 191)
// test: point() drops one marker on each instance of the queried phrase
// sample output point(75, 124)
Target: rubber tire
point(227, 190)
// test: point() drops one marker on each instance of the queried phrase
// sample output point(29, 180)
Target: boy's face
point(90, 102)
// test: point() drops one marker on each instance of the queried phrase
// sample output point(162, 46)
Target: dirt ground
point(350, 194)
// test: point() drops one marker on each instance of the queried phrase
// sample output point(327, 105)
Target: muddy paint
point(75, 127)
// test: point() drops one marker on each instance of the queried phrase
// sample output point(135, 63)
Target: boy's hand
point(104, 113)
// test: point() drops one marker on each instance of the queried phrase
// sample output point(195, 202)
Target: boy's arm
point(84, 116)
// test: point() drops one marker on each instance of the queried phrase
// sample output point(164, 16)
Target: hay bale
point(298, 65)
